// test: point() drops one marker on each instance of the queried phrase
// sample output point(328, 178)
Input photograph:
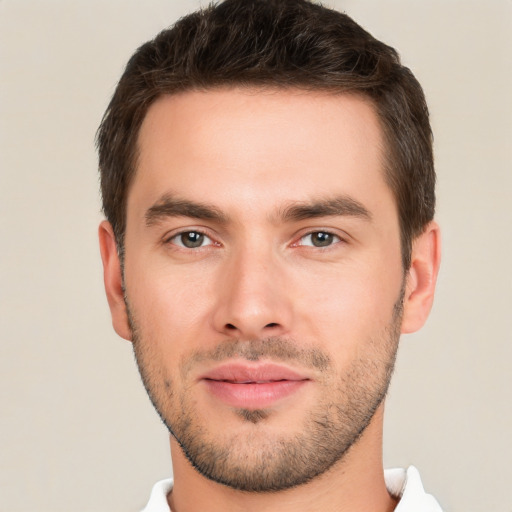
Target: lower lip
point(253, 395)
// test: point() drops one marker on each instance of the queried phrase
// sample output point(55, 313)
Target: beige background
point(76, 430)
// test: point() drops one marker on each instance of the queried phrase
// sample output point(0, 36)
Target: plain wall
point(77, 430)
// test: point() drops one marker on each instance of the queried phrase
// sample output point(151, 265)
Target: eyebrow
point(337, 206)
point(169, 206)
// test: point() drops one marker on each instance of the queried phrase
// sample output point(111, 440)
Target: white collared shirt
point(403, 484)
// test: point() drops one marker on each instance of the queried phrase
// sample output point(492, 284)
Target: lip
point(253, 386)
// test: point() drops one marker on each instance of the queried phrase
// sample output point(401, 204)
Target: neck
point(355, 484)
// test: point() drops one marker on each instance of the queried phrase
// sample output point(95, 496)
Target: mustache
point(274, 348)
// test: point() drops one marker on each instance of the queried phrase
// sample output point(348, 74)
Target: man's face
point(263, 278)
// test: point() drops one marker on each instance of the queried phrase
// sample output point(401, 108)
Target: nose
point(253, 299)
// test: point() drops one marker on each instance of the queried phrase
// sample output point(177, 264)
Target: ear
point(113, 279)
point(421, 278)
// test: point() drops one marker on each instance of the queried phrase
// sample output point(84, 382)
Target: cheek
point(169, 306)
point(350, 304)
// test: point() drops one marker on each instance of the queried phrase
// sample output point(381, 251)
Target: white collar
point(401, 483)
point(406, 485)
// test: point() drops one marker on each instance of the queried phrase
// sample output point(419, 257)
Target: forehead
point(226, 144)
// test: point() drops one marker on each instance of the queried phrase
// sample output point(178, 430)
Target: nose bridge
point(253, 302)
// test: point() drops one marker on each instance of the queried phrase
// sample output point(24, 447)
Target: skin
point(251, 155)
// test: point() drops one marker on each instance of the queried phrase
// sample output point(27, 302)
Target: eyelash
point(177, 236)
point(172, 240)
point(336, 239)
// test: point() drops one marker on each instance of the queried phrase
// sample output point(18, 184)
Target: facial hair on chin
point(254, 461)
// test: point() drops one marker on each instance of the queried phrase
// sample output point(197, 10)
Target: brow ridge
point(337, 206)
point(169, 206)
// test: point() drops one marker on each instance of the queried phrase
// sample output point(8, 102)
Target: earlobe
point(113, 280)
point(421, 278)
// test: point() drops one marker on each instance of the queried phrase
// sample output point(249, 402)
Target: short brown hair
point(283, 44)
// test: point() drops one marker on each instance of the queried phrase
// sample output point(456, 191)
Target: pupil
point(192, 239)
point(321, 239)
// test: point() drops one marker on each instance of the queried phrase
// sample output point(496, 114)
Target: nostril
point(232, 327)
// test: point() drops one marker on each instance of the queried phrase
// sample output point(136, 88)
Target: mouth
point(250, 386)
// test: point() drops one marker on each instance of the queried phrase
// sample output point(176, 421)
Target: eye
point(191, 240)
point(319, 239)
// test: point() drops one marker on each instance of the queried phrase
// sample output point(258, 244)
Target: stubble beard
point(256, 461)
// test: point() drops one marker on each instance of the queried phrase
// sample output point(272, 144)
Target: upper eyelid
point(325, 231)
point(171, 240)
point(169, 235)
point(342, 235)
point(340, 240)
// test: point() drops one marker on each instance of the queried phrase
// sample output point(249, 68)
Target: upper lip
point(245, 373)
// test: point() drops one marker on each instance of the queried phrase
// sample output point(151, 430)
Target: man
point(268, 183)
